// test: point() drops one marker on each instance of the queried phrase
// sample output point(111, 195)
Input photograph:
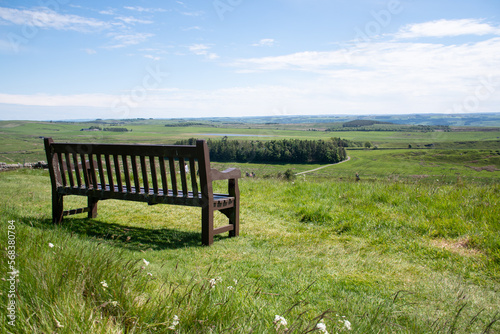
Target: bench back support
point(124, 168)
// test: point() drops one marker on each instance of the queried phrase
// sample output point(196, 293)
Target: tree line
point(275, 151)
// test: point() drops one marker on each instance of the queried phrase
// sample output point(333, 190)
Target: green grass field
point(413, 247)
point(389, 256)
point(21, 140)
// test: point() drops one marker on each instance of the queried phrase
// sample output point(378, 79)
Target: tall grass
point(358, 257)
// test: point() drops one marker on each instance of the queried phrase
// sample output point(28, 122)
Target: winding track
point(312, 170)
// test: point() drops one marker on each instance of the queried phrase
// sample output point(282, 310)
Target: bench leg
point(92, 204)
point(57, 207)
point(234, 219)
point(234, 212)
point(207, 225)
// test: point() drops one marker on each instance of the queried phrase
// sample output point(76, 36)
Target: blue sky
point(70, 59)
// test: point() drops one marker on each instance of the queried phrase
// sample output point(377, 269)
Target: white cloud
point(125, 40)
point(90, 51)
point(265, 42)
point(448, 28)
point(198, 13)
point(133, 20)
point(192, 28)
point(107, 12)
point(202, 50)
point(145, 10)
point(152, 57)
point(45, 18)
point(389, 76)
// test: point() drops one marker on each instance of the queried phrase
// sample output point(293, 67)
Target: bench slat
point(164, 180)
point(86, 177)
point(117, 172)
point(194, 178)
point(173, 177)
point(109, 171)
point(92, 175)
point(182, 168)
point(144, 174)
point(101, 171)
point(154, 178)
point(133, 161)
point(126, 172)
point(61, 169)
point(69, 169)
point(77, 170)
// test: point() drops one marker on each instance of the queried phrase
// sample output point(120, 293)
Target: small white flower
point(235, 281)
point(321, 327)
point(175, 322)
point(58, 324)
point(347, 325)
point(114, 303)
point(145, 262)
point(213, 282)
point(51, 245)
point(104, 284)
point(280, 321)
point(149, 274)
point(230, 287)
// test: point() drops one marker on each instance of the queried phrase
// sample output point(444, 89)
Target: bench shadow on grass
point(130, 237)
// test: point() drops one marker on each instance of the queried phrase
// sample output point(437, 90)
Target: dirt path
point(313, 170)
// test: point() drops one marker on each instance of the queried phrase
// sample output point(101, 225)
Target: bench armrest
point(230, 173)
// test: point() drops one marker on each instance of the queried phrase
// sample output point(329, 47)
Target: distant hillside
point(362, 122)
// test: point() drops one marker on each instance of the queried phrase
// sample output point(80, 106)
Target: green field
point(413, 247)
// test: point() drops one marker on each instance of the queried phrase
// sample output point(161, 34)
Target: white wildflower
point(145, 262)
point(149, 274)
point(320, 326)
point(279, 321)
point(175, 322)
point(347, 325)
point(230, 287)
point(213, 282)
point(58, 324)
point(51, 245)
point(104, 284)
point(114, 303)
point(235, 281)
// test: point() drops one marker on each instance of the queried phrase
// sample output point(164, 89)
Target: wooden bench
point(166, 174)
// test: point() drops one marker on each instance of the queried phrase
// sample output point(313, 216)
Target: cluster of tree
point(117, 129)
point(185, 124)
point(275, 151)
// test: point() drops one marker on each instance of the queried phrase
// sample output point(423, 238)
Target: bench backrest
point(131, 168)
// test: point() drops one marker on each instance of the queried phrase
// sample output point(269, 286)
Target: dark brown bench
point(166, 174)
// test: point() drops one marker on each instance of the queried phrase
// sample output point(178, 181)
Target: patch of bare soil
point(461, 246)
point(490, 168)
point(422, 176)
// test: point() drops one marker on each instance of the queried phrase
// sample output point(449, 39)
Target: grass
point(430, 166)
point(389, 255)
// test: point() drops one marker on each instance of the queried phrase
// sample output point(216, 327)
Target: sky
point(72, 59)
